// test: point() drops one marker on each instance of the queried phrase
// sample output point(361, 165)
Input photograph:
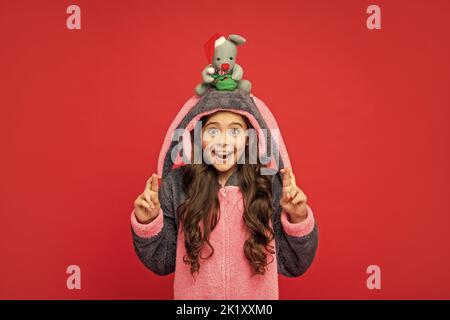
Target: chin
point(222, 167)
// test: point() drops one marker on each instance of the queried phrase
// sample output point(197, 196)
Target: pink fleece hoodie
point(227, 274)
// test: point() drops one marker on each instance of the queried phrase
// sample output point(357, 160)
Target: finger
point(149, 198)
point(286, 195)
point(154, 198)
point(286, 177)
point(299, 198)
point(142, 203)
point(148, 184)
point(294, 191)
point(293, 179)
point(154, 183)
point(286, 184)
point(291, 175)
point(146, 195)
point(152, 205)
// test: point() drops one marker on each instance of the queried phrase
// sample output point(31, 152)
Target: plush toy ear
point(238, 40)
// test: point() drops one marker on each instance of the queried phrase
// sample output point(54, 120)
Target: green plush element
point(224, 59)
point(224, 82)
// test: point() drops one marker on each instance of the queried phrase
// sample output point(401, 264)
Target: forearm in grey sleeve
point(294, 254)
point(158, 253)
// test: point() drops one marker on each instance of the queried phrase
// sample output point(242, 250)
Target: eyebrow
point(218, 124)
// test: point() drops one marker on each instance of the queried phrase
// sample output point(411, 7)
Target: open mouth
point(222, 156)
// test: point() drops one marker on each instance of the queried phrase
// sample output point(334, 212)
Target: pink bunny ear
point(272, 124)
point(171, 131)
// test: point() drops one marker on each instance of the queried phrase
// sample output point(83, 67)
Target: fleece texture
point(227, 274)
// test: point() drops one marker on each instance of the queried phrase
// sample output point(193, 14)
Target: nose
point(222, 141)
point(225, 66)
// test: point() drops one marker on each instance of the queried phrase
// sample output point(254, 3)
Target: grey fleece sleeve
point(158, 252)
point(294, 254)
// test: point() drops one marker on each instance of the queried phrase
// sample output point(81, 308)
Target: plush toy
point(223, 73)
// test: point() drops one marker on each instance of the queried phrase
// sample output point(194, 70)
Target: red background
point(364, 115)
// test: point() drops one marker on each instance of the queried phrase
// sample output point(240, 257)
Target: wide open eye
point(235, 132)
point(231, 58)
point(212, 132)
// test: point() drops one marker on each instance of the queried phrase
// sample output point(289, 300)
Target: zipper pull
point(223, 191)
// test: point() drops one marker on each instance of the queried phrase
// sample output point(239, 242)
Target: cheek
point(239, 144)
point(206, 141)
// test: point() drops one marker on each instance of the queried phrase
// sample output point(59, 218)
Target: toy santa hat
point(175, 153)
point(216, 40)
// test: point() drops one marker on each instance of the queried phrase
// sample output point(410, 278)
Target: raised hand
point(293, 200)
point(146, 206)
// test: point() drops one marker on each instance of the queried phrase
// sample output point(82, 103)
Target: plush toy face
point(225, 56)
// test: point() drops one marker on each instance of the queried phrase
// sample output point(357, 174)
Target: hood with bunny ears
point(176, 148)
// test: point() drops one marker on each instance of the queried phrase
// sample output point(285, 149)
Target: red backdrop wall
point(364, 114)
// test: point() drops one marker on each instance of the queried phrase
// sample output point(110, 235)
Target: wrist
point(297, 218)
point(144, 220)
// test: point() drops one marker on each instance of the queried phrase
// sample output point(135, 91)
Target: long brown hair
point(199, 213)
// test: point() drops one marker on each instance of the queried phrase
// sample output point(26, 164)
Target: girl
point(225, 225)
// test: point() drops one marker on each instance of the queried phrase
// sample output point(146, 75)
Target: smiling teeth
point(223, 156)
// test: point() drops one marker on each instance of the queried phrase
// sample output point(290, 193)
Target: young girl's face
point(224, 136)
